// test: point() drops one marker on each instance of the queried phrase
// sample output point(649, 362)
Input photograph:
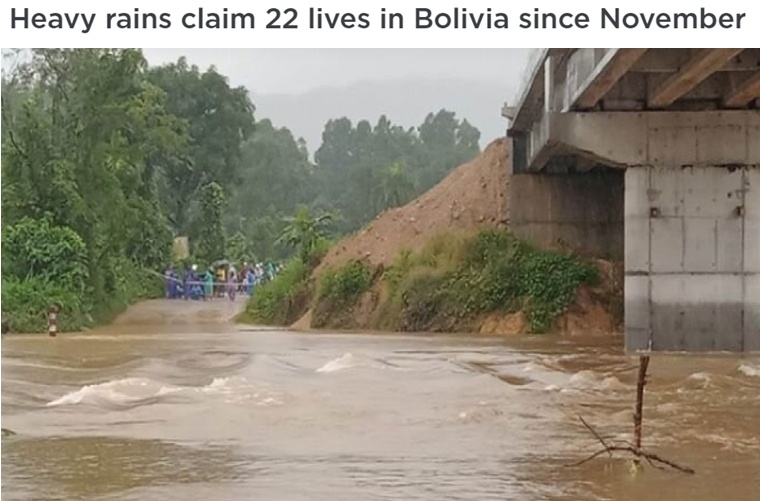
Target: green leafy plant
point(347, 283)
point(339, 291)
point(548, 282)
point(450, 282)
point(38, 248)
point(304, 232)
point(211, 239)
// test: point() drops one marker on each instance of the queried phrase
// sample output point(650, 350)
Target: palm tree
point(303, 232)
point(396, 188)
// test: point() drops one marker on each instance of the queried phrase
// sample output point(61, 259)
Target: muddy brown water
point(173, 403)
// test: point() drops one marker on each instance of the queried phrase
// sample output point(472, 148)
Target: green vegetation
point(29, 301)
point(446, 287)
point(217, 121)
point(454, 281)
point(281, 301)
point(305, 233)
point(211, 242)
point(106, 160)
point(359, 170)
point(82, 133)
point(339, 291)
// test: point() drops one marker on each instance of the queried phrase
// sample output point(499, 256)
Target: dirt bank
point(472, 198)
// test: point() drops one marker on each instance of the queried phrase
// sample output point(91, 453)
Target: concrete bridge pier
point(692, 222)
point(692, 258)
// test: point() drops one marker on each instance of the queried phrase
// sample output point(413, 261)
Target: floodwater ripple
point(157, 413)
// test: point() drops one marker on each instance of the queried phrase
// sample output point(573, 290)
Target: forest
point(106, 159)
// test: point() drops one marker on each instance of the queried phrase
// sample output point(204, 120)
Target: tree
point(219, 119)
point(395, 187)
point(264, 232)
point(303, 232)
point(84, 143)
point(335, 159)
point(275, 176)
point(211, 241)
point(445, 143)
point(240, 248)
point(37, 248)
point(89, 126)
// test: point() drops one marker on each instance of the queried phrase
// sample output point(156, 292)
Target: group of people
point(216, 281)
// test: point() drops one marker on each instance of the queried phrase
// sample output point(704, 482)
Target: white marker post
point(52, 320)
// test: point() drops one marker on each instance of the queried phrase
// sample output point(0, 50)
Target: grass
point(280, 301)
point(454, 280)
point(339, 291)
point(448, 286)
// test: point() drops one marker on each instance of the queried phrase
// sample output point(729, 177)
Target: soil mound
point(471, 197)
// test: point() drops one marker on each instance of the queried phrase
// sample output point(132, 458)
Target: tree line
point(107, 159)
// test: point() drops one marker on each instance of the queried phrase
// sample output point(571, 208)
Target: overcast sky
point(293, 71)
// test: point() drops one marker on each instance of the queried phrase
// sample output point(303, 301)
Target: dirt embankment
point(472, 197)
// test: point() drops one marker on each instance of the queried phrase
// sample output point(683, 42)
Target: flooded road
point(172, 403)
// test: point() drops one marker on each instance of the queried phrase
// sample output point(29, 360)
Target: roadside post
point(52, 320)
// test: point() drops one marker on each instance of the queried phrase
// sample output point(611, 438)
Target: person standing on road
point(186, 283)
point(208, 284)
point(249, 279)
point(168, 283)
point(221, 281)
point(231, 283)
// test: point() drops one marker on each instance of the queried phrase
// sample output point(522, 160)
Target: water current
point(173, 403)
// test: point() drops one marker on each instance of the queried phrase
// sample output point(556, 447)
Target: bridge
point(652, 157)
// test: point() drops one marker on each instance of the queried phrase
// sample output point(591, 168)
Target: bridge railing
point(535, 57)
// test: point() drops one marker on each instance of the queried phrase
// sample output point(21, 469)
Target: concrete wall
point(692, 258)
point(582, 212)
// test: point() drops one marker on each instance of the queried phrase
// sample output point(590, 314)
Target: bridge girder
point(615, 64)
point(695, 71)
point(744, 93)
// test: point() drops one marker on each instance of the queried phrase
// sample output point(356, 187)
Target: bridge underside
point(653, 156)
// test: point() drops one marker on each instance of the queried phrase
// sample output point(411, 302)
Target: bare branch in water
point(635, 448)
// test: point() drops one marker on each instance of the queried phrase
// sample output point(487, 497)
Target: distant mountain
point(404, 102)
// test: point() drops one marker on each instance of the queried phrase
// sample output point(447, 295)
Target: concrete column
point(692, 258)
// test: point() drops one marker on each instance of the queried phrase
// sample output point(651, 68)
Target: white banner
point(378, 24)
